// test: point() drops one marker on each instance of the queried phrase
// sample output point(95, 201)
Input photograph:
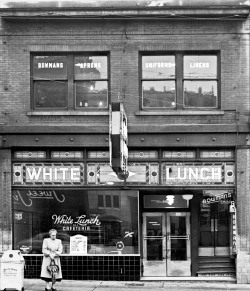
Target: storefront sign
point(75, 224)
point(198, 173)
point(118, 140)
point(234, 229)
point(164, 201)
point(48, 173)
point(78, 244)
point(222, 197)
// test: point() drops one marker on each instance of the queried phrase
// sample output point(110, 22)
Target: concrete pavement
point(68, 285)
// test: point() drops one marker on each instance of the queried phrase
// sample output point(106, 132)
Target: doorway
point(214, 237)
point(166, 244)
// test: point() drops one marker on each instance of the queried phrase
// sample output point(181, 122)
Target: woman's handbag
point(53, 269)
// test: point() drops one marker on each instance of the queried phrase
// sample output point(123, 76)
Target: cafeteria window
point(76, 212)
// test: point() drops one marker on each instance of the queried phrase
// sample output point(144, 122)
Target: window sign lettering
point(26, 197)
point(46, 67)
point(90, 67)
point(201, 67)
point(82, 222)
point(158, 67)
point(49, 173)
point(216, 197)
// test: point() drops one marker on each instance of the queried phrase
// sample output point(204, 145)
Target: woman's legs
point(47, 285)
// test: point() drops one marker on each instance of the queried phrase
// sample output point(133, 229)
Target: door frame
point(214, 250)
point(166, 267)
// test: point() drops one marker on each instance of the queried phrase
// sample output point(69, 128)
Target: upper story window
point(70, 81)
point(180, 81)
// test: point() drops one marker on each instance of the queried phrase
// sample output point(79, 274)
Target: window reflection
point(200, 94)
point(178, 245)
point(72, 212)
point(158, 94)
point(91, 94)
point(50, 94)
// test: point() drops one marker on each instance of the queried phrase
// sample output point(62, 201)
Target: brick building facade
point(182, 75)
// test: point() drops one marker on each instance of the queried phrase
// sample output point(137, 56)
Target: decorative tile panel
point(178, 154)
point(66, 155)
point(217, 154)
point(139, 173)
point(142, 154)
point(98, 154)
point(30, 155)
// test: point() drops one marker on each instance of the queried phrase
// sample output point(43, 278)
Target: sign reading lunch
point(48, 174)
point(198, 173)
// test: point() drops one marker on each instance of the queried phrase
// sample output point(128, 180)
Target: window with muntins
point(180, 81)
point(68, 82)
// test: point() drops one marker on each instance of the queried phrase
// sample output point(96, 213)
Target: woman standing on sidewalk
point(52, 249)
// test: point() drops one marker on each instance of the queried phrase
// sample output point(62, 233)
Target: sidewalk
point(68, 285)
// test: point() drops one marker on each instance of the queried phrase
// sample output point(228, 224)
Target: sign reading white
point(52, 173)
point(79, 223)
point(78, 244)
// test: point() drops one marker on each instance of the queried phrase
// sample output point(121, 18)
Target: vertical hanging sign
point(118, 140)
point(232, 210)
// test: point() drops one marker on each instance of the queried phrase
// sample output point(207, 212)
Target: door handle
point(153, 237)
point(179, 237)
point(216, 224)
point(212, 224)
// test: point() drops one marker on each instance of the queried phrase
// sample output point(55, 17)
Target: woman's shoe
point(53, 289)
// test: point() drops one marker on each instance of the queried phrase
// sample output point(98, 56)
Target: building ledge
point(179, 112)
point(67, 113)
point(138, 12)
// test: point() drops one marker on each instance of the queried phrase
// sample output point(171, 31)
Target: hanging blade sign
point(118, 140)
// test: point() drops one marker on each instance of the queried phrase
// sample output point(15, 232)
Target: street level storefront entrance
point(181, 231)
point(173, 216)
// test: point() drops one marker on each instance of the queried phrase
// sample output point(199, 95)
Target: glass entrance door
point(166, 244)
point(154, 244)
point(178, 244)
point(214, 229)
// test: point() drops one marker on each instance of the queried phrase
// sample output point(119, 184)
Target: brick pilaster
point(5, 198)
point(243, 216)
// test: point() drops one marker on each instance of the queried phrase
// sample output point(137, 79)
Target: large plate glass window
point(158, 81)
point(53, 76)
point(105, 218)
